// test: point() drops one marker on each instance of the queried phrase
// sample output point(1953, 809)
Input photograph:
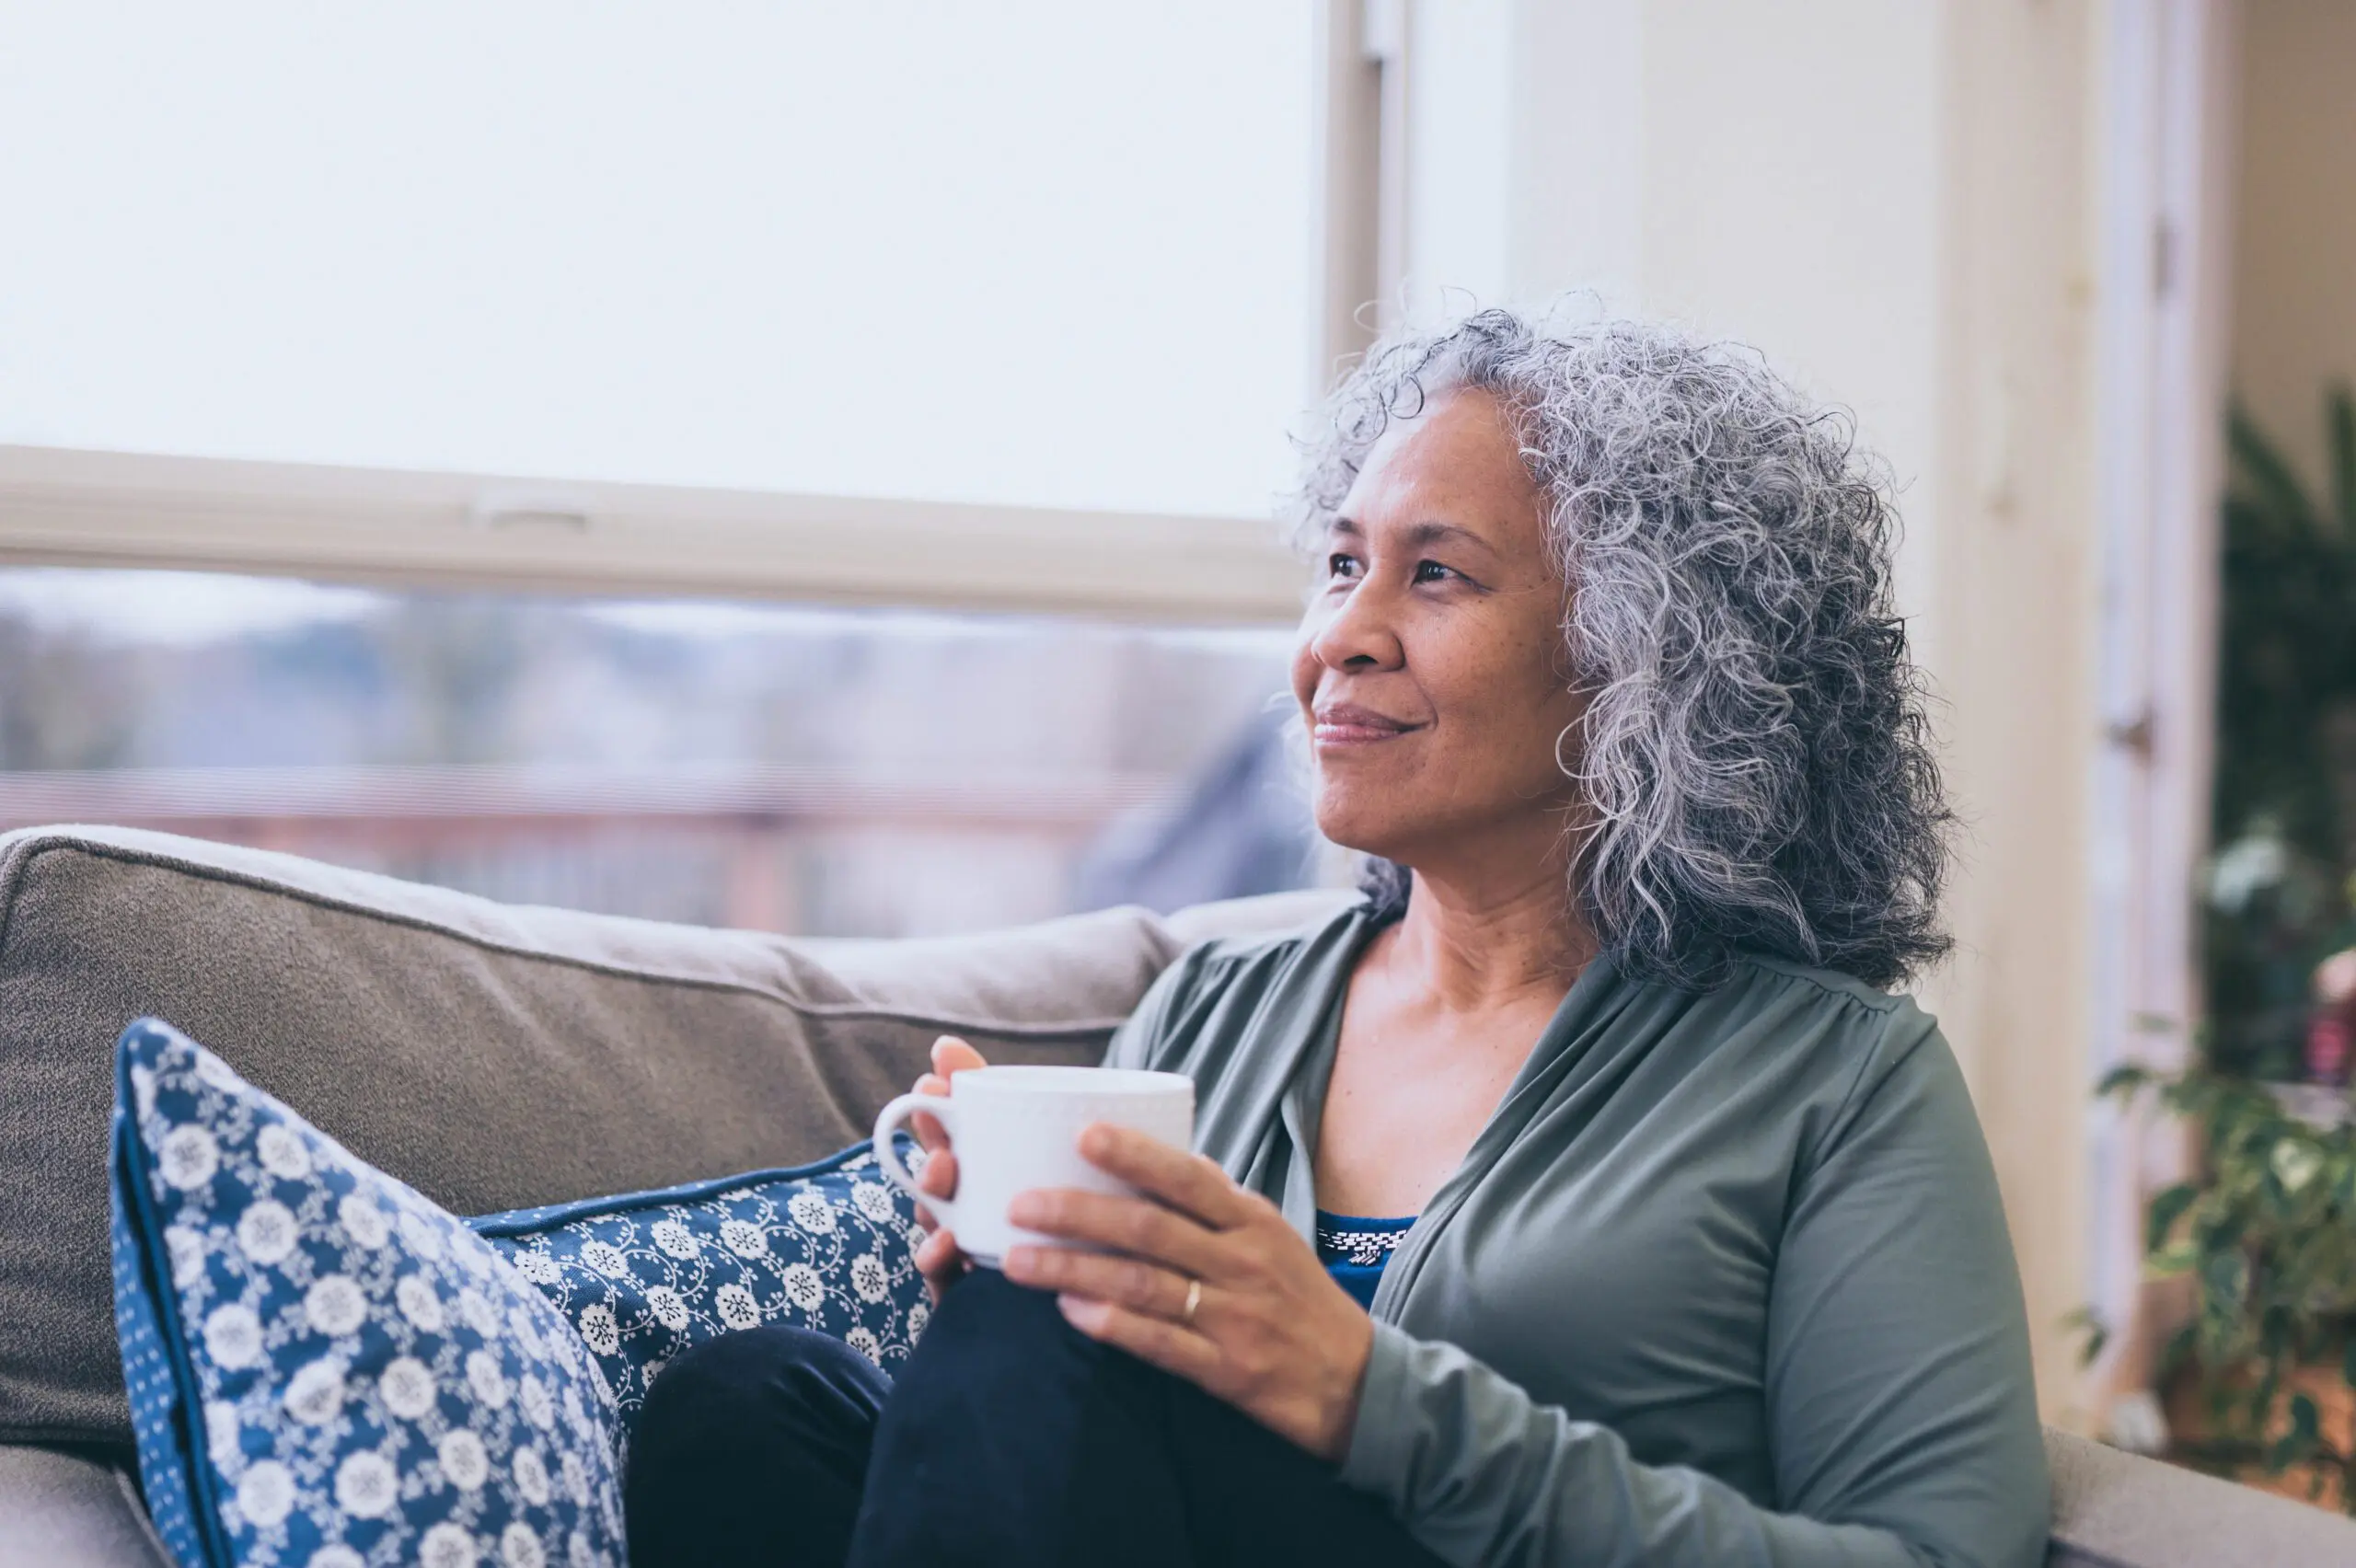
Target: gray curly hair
point(1755, 754)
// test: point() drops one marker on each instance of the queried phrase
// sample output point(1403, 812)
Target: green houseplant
point(2283, 812)
point(2266, 1235)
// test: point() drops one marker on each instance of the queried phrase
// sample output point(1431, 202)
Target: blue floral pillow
point(643, 1278)
point(326, 1369)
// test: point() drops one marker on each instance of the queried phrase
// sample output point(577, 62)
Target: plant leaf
point(2087, 1321)
point(2261, 1404)
point(2218, 1226)
point(2225, 1293)
point(2167, 1207)
point(2295, 1162)
point(2177, 1351)
point(2122, 1081)
point(2274, 1335)
point(2269, 474)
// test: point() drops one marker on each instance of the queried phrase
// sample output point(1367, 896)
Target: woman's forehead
point(1453, 469)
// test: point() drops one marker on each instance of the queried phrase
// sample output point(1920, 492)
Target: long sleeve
point(1898, 1394)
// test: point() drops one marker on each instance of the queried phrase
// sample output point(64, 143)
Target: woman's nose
point(1359, 633)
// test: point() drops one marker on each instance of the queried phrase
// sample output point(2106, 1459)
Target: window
point(542, 329)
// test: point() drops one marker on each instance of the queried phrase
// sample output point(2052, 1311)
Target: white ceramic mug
point(1017, 1128)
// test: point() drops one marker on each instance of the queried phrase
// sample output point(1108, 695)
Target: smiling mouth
point(1349, 726)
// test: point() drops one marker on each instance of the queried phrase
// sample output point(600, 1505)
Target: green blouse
point(1724, 1280)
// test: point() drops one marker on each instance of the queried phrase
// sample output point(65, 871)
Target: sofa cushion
point(494, 1057)
point(327, 1367)
point(827, 1245)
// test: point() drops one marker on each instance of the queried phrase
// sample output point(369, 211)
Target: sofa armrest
point(59, 1510)
point(2115, 1510)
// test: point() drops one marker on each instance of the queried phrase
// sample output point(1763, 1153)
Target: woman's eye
point(1432, 571)
point(1339, 565)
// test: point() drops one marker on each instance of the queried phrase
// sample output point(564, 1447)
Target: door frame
point(2166, 248)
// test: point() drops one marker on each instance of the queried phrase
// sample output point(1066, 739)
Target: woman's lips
point(1349, 726)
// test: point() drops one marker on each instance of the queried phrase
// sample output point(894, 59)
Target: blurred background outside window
point(836, 772)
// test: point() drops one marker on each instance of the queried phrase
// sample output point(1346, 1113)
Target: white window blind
point(1030, 252)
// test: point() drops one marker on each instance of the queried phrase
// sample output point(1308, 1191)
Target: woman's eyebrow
point(1418, 535)
point(1421, 534)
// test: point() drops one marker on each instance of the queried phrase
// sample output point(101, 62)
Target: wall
point(1893, 199)
point(2295, 268)
point(2013, 574)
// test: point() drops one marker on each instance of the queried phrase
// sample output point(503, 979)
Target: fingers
point(1158, 1340)
point(1132, 1226)
point(941, 1261)
point(939, 1177)
point(928, 1128)
point(1189, 1183)
point(952, 1055)
point(939, 1252)
point(1125, 1282)
point(937, 1180)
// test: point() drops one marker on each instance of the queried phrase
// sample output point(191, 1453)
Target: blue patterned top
point(1353, 1249)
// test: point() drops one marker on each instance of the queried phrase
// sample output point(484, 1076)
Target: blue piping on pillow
point(525, 1221)
point(187, 1484)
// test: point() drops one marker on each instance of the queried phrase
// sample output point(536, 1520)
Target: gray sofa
point(499, 1057)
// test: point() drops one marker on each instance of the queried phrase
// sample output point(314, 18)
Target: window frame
point(65, 507)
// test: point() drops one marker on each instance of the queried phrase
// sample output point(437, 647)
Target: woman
point(1580, 1196)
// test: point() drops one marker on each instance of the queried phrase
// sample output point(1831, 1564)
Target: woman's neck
point(1482, 946)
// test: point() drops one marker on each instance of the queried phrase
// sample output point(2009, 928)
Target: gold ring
point(1193, 1299)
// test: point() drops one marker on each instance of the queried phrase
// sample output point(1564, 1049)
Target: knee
point(752, 1447)
point(990, 1336)
point(985, 1309)
point(726, 1389)
point(1007, 1435)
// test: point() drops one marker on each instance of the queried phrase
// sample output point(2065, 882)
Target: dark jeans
point(1010, 1438)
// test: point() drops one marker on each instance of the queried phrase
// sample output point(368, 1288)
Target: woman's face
point(1430, 668)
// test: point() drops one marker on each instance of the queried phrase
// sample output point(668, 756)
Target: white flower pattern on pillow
point(744, 1240)
point(874, 1200)
point(363, 1221)
point(644, 1278)
point(737, 1308)
point(811, 1212)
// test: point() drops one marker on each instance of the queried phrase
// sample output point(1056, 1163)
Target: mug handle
point(888, 1157)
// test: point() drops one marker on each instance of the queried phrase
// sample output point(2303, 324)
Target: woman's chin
point(1368, 834)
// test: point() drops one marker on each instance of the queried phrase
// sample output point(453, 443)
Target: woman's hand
point(939, 1259)
point(1271, 1332)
